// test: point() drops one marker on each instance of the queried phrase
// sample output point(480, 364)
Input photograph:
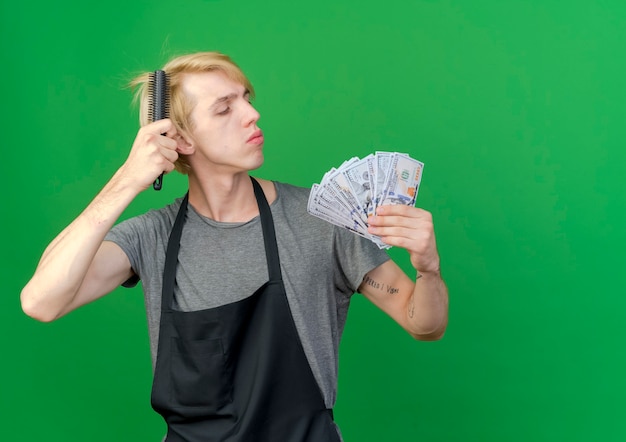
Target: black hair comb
point(158, 105)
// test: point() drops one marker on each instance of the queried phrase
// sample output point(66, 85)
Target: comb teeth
point(158, 96)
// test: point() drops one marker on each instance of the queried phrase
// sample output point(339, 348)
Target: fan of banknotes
point(349, 194)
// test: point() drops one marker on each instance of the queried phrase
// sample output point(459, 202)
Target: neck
point(223, 198)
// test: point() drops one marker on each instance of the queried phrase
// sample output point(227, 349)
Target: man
point(237, 355)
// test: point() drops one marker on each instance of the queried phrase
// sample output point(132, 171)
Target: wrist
point(124, 182)
point(428, 274)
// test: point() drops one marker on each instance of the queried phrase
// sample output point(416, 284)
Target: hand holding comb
point(158, 105)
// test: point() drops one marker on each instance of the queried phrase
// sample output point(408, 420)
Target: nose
point(251, 115)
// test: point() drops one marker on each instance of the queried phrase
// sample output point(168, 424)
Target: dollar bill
point(382, 162)
point(347, 195)
point(405, 175)
point(358, 177)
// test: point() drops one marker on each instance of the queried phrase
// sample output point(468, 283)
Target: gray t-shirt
point(220, 263)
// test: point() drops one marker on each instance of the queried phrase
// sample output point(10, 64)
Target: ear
point(184, 147)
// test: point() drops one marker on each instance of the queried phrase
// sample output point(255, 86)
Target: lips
point(256, 137)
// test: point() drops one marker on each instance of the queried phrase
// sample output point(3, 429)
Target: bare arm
point(420, 306)
point(78, 267)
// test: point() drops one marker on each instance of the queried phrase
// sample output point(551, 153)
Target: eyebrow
point(228, 97)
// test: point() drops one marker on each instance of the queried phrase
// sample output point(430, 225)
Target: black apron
point(236, 372)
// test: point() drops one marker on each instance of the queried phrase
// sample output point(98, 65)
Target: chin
point(258, 162)
point(256, 166)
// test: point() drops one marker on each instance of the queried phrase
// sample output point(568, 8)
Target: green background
point(517, 108)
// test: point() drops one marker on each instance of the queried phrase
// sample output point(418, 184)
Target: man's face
point(225, 135)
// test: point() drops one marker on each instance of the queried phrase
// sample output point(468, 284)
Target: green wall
point(518, 110)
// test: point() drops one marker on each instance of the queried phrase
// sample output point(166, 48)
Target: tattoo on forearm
point(381, 286)
point(412, 303)
point(369, 281)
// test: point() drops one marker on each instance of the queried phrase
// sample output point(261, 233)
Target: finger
point(160, 127)
point(168, 167)
point(165, 165)
point(419, 230)
point(393, 220)
point(396, 241)
point(170, 154)
point(420, 222)
point(400, 209)
point(421, 245)
point(167, 142)
point(389, 215)
point(172, 133)
point(394, 231)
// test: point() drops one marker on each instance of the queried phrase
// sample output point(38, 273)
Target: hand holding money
point(349, 195)
point(410, 228)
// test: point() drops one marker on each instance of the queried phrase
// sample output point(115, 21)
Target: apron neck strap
point(171, 256)
point(173, 244)
point(269, 233)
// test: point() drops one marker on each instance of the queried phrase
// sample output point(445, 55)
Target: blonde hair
point(180, 104)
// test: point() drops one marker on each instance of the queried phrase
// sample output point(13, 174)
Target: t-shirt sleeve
point(127, 235)
point(144, 239)
point(355, 257)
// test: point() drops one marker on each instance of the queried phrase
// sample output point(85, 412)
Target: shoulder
point(292, 194)
point(280, 194)
point(290, 210)
point(284, 192)
point(292, 200)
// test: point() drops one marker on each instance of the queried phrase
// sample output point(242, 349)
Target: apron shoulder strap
point(269, 233)
point(171, 256)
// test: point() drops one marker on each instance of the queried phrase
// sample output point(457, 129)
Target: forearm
point(427, 309)
point(65, 262)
